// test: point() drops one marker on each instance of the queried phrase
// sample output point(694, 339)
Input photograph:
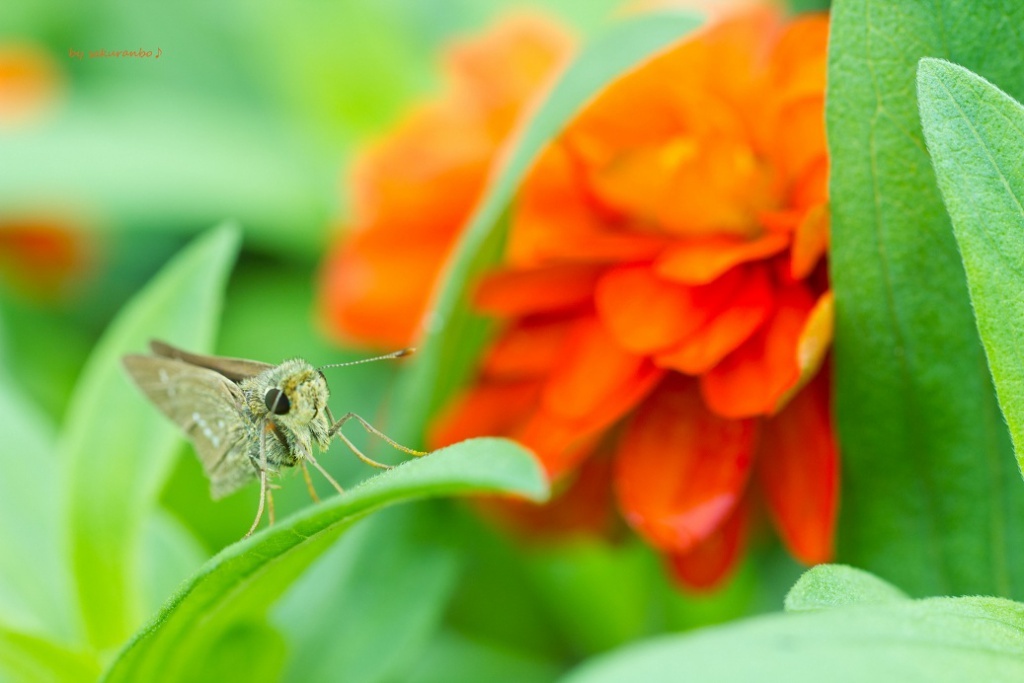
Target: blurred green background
point(253, 112)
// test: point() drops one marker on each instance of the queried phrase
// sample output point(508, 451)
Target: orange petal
point(812, 188)
point(521, 292)
point(646, 313)
point(689, 186)
point(756, 376)
point(726, 331)
point(709, 563)
point(557, 219)
point(489, 409)
point(700, 262)
point(800, 135)
point(815, 340)
point(595, 372)
point(376, 290)
point(499, 70)
point(529, 348)
point(593, 388)
point(798, 467)
point(810, 241)
point(561, 443)
point(681, 469)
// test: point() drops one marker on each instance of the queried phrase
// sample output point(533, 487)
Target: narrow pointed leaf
point(117, 448)
point(245, 579)
point(975, 134)
point(26, 658)
point(35, 583)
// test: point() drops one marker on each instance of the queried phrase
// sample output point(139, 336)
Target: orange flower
point(664, 297)
point(415, 189)
point(41, 258)
point(29, 82)
point(665, 270)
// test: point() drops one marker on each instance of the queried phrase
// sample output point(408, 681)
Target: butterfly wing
point(235, 369)
point(209, 409)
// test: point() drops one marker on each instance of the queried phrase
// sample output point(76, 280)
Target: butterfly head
point(293, 395)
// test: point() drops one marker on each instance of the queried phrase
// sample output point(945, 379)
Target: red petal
point(540, 290)
point(681, 469)
point(594, 388)
point(596, 371)
point(646, 313)
point(529, 348)
point(798, 467)
point(700, 262)
point(726, 331)
point(754, 378)
point(712, 561)
point(489, 409)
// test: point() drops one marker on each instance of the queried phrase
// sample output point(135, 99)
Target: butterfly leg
point(324, 472)
point(263, 498)
point(309, 481)
point(262, 466)
point(336, 429)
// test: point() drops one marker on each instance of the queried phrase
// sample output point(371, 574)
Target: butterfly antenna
point(395, 354)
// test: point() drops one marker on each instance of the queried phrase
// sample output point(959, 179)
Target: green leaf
point(249, 651)
point(150, 157)
point(932, 497)
point(246, 577)
point(451, 333)
point(574, 579)
point(452, 656)
point(393, 592)
point(29, 659)
point(931, 641)
point(849, 626)
point(975, 134)
point(836, 585)
point(117, 448)
point(35, 584)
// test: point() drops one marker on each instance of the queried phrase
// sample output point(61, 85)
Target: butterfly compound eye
point(277, 402)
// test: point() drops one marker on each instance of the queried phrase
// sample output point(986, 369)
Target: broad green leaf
point(932, 499)
point(843, 625)
point(117, 448)
point(835, 585)
point(450, 333)
point(930, 641)
point(975, 134)
point(245, 578)
point(387, 581)
point(29, 659)
point(35, 584)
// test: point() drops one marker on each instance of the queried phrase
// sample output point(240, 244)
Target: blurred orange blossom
point(41, 255)
point(663, 294)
